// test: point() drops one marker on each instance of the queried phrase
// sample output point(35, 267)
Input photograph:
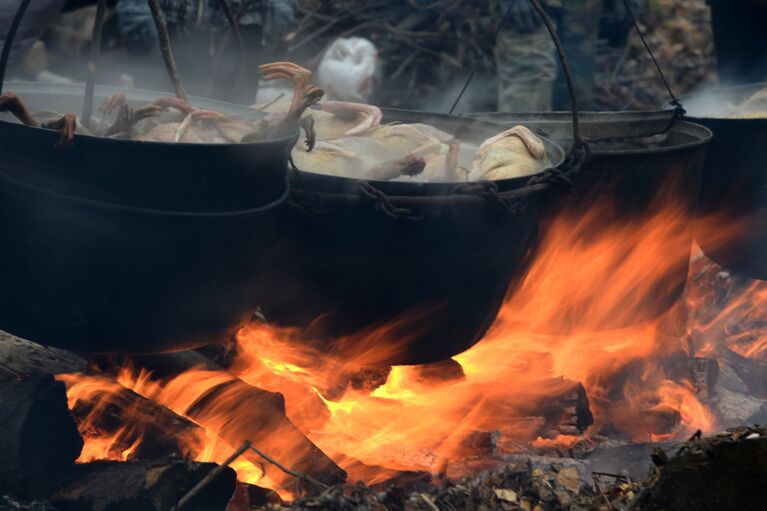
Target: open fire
point(560, 368)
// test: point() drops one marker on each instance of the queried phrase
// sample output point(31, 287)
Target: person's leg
point(527, 68)
point(740, 36)
point(579, 32)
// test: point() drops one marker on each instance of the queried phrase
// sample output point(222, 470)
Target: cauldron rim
point(38, 88)
point(324, 183)
point(703, 135)
point(135, 210)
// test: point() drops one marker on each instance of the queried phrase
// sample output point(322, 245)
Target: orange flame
point(565, 326)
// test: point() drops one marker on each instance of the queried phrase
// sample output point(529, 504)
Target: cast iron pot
point(172, 177)
point(734, 192)
point(419, 271)
point(640, 161)
point(98, 277)
point(127, 246)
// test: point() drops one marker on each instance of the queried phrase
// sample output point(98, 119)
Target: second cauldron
point(417, 270)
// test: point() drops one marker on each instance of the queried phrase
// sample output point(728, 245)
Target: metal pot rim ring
point(588, 118)
point(81, 201)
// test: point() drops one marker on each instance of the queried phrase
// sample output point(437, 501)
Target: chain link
point(384, 204)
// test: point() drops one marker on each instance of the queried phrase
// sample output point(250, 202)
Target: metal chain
point(313, 202)
point(554, 177)
point(385, 205)
point(9, 38)
point(512, 202)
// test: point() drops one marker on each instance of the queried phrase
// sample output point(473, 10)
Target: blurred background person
point(529, 75)
point(740, 38)
point(207, 54)
point(39, 15)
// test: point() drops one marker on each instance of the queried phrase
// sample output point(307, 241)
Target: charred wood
point(9, 503)
point(447, 371)
point(547, 408)
point(552, 407)
point(134, 421)
point(248, 496)
point(19, 356)
point(753, 374)
point(155, 485)
point(39, 441)
point(255, 415)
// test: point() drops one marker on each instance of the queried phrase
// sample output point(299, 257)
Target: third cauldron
point(642, 163)
point(733, 226)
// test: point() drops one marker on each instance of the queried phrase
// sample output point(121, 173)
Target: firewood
point(551, 407)
point(10, 503)
point(153, 485)
point(114, 408)
point(722, 472)
point(248, 496)
point(19, 356)
point(255, 415)
point(39, 441)
point(753, 374)
point(447, 371)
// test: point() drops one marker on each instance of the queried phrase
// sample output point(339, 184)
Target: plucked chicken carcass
point(517, 152)
point(357, 157)
point(173, 120)
point(352, 143)
point(193, 125)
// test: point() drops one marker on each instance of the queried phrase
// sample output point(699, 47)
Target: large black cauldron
point(98, 277)
point(173, 177)
point(641, 162)
point(417, 270)
point(733, 230)
point(123, 246)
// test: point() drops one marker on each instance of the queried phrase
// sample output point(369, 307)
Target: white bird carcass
point(348, 69)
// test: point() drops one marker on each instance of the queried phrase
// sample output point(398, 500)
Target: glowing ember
point(561, 332)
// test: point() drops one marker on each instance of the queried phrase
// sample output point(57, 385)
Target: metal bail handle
point(679, 110)
point(579, 145)
point(9, 38)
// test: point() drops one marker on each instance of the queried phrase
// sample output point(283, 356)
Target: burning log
point(250, 414)
point(156, 485)
point(135, 424)
point(447, 371)
point(753, 374)
point(248, 496)
point(19, 356)
point(562, 410)
point(39, 441)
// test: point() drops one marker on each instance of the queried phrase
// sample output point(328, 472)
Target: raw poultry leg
point(307, 123)
point(66, 126)
point(300, 76)
point(372, 115)
point(10, 102)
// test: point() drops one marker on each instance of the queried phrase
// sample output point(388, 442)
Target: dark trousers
point(225, 78)
point(740, 36)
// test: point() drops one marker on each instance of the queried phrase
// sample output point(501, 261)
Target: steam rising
point(734, 103)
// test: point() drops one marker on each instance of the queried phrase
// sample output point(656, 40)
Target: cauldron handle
point(580, 151)
point(9, 38)
point(679, 110)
